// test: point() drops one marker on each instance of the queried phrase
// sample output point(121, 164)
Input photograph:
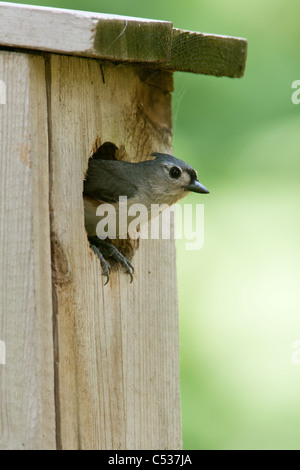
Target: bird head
point(173, 179)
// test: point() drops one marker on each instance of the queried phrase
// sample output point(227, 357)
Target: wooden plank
point(27, 414)
point(118, 367)
point(120, 38)
point(208, 54)
point(83, 33)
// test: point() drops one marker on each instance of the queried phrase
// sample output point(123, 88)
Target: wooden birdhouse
point(86, 365)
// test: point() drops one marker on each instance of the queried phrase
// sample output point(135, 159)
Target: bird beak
point(197, 187)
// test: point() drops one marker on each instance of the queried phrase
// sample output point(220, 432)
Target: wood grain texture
point(84, 33)
point(120, 38)
point(27, 417)
point(117, 366)
point(208, 54)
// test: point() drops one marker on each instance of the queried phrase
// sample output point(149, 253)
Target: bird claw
point(106, 267)
point(116, 255)
point(113, 252)
point(106, 271)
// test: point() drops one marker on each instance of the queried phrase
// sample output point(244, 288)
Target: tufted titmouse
point(162, 180)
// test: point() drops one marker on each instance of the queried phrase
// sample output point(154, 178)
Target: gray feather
point(106, 180)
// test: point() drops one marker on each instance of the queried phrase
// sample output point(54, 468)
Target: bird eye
point(175, 172)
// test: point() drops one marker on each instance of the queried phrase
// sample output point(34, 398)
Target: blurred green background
point(239, 296)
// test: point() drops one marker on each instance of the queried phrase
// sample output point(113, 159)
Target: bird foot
point(102, 249)
point(106, 267)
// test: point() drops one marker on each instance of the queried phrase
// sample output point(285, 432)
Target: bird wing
point(107, 180)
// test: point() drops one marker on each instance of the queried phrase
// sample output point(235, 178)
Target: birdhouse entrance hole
point(109, 151)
